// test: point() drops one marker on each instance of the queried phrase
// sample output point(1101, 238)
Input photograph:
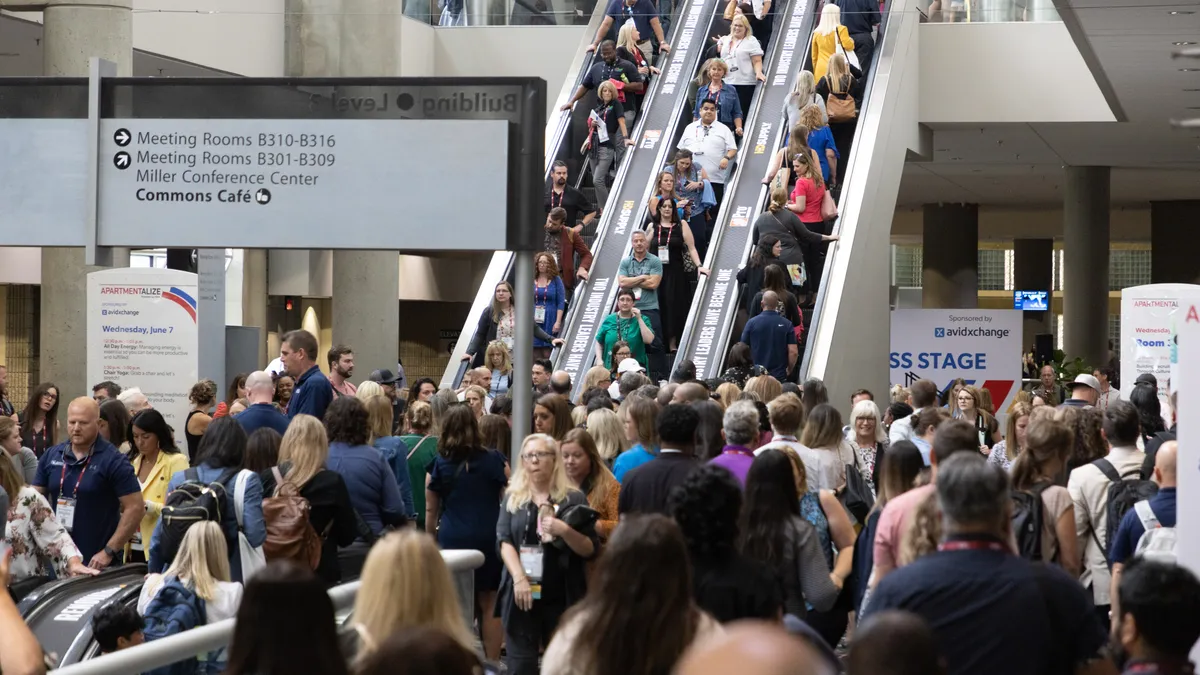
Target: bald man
point(753, 648)
point(92, 488)
point(690, 392)
point(771, 338)
point(1158, 511)
point(895, 643)
point(260, 388)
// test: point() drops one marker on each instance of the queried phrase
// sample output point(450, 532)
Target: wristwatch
point(112, 552)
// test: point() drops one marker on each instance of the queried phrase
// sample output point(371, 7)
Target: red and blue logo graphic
point(187, 302)
point(999, 389)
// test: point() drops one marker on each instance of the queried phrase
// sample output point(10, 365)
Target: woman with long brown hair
point(549, 301)
point(1036, 470)
point(1005, 452)
point(497, 321)
point(969, 408)
point(39, 419)
point(633, 622)
point(807, 199)
point(587, 470)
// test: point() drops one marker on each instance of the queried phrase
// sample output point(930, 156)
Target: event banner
point(1188, 461)
point(1150, 315)
point(141, 332)
point(983, 347)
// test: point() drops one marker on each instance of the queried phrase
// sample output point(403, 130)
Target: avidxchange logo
point(998, 333)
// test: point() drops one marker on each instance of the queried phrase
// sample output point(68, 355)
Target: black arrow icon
point(263, 196)
point(121, 160)
point(122, 137)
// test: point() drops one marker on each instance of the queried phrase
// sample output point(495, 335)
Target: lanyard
point(540, 294)
point(534, 523)
point(670, 230)
point(716, 98)
point(1147, 667)
point(706, 130)
point(63, 476)
point(734, 45)
point(971, 546)
point(553, 205)
point(737, 451)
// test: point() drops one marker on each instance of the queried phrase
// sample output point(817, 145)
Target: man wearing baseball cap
point(1084, 391)
point(387, 379)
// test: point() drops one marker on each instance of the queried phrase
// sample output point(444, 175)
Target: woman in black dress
point(671, 240)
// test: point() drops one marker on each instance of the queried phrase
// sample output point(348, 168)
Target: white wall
point(512, 51)
point(237, 36)
point(1006, 72)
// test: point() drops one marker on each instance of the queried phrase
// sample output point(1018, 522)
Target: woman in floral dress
point(34, 535)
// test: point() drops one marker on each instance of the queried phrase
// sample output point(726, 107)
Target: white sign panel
point(141, 332)
point(983, 347)
point(1149, 319)
point(1188, 460)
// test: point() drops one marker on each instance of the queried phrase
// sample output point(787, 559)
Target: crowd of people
point(882, 541)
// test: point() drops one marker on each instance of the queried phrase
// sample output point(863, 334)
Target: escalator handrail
point(555, 132)
point(34, 604)
point(857, 145)
point(723, 217)
point(85, 640)
point(664, 146)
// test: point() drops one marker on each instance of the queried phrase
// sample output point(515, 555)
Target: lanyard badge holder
point(64, 510)
point(532, 559)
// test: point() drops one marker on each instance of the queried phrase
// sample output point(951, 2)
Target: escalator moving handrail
point(722, 216)
point(856, 145)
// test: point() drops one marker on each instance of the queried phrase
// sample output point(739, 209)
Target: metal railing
point(169, 650)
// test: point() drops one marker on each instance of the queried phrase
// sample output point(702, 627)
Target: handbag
point(829, 209)
point(840, 107)
point(856, 494)
point(252, 557)
point(579, 517)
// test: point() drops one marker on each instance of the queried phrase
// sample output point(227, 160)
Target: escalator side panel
point(853, 300)
point(56, 618)
point(715, 305)
point(630, 193)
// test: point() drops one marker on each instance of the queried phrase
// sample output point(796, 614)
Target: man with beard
point(341, 367)
point(564, 244)
point(559, 194)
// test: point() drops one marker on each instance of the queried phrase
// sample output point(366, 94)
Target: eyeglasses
point(535, 457)
point(51, 396)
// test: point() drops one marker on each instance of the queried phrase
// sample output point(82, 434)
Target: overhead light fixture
point(1179, 12)
point(1183, 43)
point(1189, 70)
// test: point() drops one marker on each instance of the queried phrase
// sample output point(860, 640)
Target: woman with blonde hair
point(841, 86)
point(422, 443)
point(1036, 470)
point(499, 359)
point(828, 37)
point(1005, 452)
point(202, 567)
point(475, 396)
point(302, 456)
point(394, 451)
point(641, 415)
point(767, 387)
point(969, 409)
point(596, 377)
point(627, 49)
point(868, 438)
point(713, 87)
point(804, 93)
point(797, 145)
point(406, 584)
point(534, 538)
point(608, 136)
point(820, 139)
point(605, 428)
point(744, 54)
point(367, 390)
point(588, 472)
point(826, 451)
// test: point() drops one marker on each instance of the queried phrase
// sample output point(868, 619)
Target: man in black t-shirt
point(609, 67)
point(561, 195)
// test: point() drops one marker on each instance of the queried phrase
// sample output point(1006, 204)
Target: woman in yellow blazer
point(826, 37)
point(155, 459)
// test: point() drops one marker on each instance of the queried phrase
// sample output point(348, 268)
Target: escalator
point(565, 133)
point(60, 613)
point(887, 130)
point(667, 110)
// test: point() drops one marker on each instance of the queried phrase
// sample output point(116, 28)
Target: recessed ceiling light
point(1184, 43)
point(1189, 70)
point(1178, 13)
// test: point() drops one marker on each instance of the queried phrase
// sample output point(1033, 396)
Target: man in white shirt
point(712, 146)
point(924, 394)
point(1108, 394)
point(1088, 486)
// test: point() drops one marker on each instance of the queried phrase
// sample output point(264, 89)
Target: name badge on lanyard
point(65, 512)
point(533, 561)
point(64, 509)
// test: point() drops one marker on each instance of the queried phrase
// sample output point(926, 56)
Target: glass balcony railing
point(474, 13)
point(991, 11)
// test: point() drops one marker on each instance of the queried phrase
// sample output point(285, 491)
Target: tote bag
point(252, 557)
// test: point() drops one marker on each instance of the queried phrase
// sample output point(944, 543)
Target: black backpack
point(1125, 490)
point(1027, 519)
point(190, 503)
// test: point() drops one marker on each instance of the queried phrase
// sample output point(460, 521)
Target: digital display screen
point(1031, 301)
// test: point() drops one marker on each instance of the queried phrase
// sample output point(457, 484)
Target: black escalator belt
point(84, 645)
point(58, 612)
point(715, 307)
point(627, 203)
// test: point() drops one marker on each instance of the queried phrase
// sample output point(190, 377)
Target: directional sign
point(122, 137)
point(279, 183)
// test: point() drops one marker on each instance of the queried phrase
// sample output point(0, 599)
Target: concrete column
point(74, 33)
point(1085, 263)
point(254, 297)
point(950, 267)
point(1174, 248)
point(1033, 270)
point(329, 38)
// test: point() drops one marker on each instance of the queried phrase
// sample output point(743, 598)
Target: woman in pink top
point(806, 201)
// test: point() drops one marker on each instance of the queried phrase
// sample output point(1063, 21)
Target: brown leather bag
point(290, 535)
point(840, 105)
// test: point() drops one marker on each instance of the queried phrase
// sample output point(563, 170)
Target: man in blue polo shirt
point(645, 20)
point(92, 487)
point(262, 411)
point(993, 612)
point(1133, 525)
point(771, 338)
point(313, 392)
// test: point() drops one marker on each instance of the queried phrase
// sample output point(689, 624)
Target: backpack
point(840, 105)
point(1157, 542)
point(1124, 492)
point(290, 535)
point(1027, 519)
point(173, 610)
point(190, 503)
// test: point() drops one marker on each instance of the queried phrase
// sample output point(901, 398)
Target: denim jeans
point(606, 157)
